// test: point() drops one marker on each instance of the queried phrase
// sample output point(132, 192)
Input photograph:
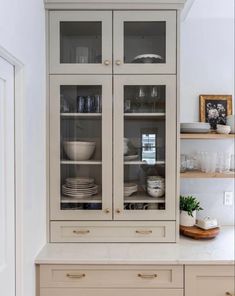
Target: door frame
point(19, 101)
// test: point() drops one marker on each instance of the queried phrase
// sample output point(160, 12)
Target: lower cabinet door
point(213, 280)
point(110, 292)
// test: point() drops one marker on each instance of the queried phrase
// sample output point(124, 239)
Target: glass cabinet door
point(144, 147)
point(145, 42)
point(80, 147)
point(80, 42)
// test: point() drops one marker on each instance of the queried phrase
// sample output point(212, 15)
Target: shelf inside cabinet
point(143, 197)
point(81, 162)
point(209, 136)
point(139, 162)
point(72, 115)
point(142, 115)
point(94, 199)
point(198, 174)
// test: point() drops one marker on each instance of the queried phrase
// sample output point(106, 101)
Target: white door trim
point(19, 182)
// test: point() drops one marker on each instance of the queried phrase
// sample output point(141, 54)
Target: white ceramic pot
point(186, 220)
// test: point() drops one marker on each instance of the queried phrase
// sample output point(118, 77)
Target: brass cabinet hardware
point(229, 294)
point(81, 231)
point(144, 231)
point(75, 276)
point(106, 62)
point(118, 62)
point(147, 276)
point(107, 211)
point(118, 211)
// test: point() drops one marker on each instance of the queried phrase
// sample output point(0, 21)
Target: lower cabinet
point(135, 280)
point(210, 280)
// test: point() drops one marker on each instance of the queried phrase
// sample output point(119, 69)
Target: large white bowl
point(223, 129)
point(231, 122)
point(77, 150)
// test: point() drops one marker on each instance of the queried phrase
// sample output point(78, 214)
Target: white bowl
point(196, 125)
point(156, 192)
point(231, 122)
point(77, 150)
point(223, 129)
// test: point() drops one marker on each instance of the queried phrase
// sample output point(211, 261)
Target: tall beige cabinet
point(112, 120)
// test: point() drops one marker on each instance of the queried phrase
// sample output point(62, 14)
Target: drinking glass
point(183, 163)
point(232, 163)
point(223, 162)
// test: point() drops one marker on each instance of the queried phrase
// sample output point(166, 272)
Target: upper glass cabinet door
point(81, 147)
point(144, 147)
point(145, 42)
point(81, 42)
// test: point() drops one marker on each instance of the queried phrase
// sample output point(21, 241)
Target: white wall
point(22, 34)
point(207, 67)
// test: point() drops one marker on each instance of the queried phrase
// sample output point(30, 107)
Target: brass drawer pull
point(229, 294)
point(81, 231)
point(147, 276)
point(106, 62)
point(144, 231)
point(75, 276)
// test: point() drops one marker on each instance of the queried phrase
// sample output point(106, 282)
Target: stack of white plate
point(195, 127)
point(80, 187)
point(130, 188)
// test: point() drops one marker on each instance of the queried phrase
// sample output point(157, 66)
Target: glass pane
point(144, 149)
point(144, 42)
point(80, 42)
point(144, 99)
point(81, 147)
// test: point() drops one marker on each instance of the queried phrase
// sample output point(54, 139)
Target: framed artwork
point(215, 108)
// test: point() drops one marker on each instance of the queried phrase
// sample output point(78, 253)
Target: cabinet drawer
point(209, 280)
point(163, 231)
point(109, 276)
point(111, 292)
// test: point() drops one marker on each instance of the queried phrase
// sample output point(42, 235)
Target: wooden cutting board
point(198, 233)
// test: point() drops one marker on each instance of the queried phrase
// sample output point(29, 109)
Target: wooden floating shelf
point(84, 162)
point(209, 136)
point(198, 174)
point(81, 114)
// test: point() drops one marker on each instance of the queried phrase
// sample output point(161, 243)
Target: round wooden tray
point(198, 233)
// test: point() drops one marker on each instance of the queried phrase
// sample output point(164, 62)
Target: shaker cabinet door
point(80, 147)
point(80, 42)
point(145, 42)
point(144, 147)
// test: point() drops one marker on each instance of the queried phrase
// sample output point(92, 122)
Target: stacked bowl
point(130, 188)
point(156, 186)
point(195, 127)
point(79, 187)
point(79, 150)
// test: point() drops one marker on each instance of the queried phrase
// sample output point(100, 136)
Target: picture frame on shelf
point(215, 108)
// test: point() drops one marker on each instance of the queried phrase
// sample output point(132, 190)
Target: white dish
point(80, 180)
point(156, 192)
point(223, 129)
point(77, 150)
point(195, 130)
point(147, 58)
point(201, 125)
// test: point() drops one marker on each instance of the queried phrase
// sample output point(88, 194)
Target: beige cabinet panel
point(71, 276)
point(209, 280)
point(80, 42)
point(110, 292)
point(144, 42)
point(113, 231)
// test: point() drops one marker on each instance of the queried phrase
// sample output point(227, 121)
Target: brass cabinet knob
point(118, 211)
point(107, 211)
point(229, 294)
point(144, 231)
point(118, 62)
point(106, 62)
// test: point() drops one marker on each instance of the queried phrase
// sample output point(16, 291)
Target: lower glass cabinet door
point(80, 147)
point(144, 147)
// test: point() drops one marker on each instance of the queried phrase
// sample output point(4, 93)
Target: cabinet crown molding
point(114, 4)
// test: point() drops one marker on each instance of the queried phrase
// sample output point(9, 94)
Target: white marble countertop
point(216, 251)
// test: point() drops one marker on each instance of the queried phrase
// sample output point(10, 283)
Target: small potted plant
point(188, 207)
